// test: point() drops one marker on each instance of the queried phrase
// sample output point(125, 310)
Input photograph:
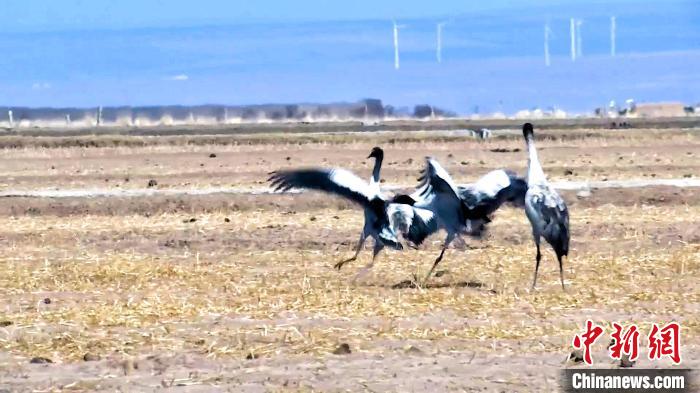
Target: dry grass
point(132, 279)
point(230, 302)
point(27, 146)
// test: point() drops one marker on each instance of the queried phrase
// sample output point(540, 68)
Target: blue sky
point(51, 15)
point(147, 52)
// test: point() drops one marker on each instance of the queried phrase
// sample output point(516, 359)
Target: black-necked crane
point(380, 212)
point(438, 194)
point(545, 209)
point(461, 210)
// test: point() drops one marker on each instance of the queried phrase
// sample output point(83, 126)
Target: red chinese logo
point(592, 333)
point(624, 342)
point(665, 342)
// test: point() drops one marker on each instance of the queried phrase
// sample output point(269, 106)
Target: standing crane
point(545, 209)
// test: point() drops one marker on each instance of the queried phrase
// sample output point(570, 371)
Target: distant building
point(661, 109)
point(537, 113)
point(368, 110)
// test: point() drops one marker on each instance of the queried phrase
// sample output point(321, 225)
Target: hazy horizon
point(492, 56)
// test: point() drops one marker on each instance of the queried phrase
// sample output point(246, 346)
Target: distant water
point(491, 62)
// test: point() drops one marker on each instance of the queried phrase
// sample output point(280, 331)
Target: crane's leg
point(538, 258)
point(361, 243)
point(561, 272)
point(378, 246)
point(448, 240)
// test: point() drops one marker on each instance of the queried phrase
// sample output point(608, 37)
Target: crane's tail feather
point(421, 227)
point(564, 246)
point(558, 237)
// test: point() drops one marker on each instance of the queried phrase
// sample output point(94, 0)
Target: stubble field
point(237, 292)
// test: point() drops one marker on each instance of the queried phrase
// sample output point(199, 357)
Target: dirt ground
point(245, 161)
point(238, 293)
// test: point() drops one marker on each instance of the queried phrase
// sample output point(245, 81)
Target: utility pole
point(397, 65)
point(438, 49)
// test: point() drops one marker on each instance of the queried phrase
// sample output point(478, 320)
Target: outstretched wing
point(436, 179)
point(334, 181)
point(439, 195)
point(515, 193)
point(493, 182)
point(492, 190)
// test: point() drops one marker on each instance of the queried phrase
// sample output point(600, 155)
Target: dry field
point(238, 293)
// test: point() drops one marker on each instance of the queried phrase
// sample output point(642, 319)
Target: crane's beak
point(375, 153)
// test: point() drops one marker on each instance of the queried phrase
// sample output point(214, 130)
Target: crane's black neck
point(378, 158)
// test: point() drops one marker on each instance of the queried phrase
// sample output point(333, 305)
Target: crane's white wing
point(441, 198)
point(493, 182)
point(335, 181)
point(434, 180)
point(493, 189)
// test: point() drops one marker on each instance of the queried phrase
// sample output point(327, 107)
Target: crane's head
point(377, 153)
point(528, 130)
